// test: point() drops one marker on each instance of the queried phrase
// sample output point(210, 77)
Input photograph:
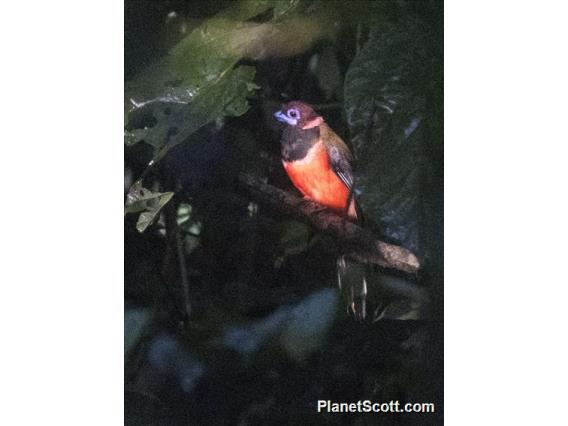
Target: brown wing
point(341, 162)
point(339, 155)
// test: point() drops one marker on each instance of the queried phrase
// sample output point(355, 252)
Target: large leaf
point(227, 97)
point(197, 82)
point(385, 95)
point(198, 59)
point(217, 44)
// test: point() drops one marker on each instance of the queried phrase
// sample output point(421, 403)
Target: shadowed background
point(232, 315)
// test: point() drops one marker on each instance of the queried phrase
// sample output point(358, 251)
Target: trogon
point(319, 165)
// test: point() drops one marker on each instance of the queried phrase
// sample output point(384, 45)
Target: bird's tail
point(352, 281)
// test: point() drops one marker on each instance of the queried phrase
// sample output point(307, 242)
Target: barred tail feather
point(353, 285)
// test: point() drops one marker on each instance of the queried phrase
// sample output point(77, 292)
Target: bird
point(320, 165)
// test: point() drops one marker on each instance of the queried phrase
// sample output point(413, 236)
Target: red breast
point(314, 177)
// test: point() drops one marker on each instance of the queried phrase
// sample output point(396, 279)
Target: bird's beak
point(280, 116)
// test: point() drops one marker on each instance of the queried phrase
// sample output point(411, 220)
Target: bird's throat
point(297, 142)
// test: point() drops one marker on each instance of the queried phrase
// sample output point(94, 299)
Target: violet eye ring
point(293, 113)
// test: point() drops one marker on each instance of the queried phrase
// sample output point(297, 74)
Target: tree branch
point(357, 242)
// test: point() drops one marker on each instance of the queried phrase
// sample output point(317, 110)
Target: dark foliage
point(232, 313)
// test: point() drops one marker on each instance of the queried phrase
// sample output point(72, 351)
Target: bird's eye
point(293, 113)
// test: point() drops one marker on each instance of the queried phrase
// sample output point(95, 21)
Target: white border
point(505, 212)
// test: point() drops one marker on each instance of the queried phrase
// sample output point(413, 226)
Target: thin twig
point(183, 274)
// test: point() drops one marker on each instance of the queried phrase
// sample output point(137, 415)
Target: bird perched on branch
point(319, 165)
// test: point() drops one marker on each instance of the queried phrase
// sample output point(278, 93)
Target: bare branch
point(357, 242)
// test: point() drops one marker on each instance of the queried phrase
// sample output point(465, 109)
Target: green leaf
point(227, 97)
point(203, 56)
point(184, 213)
point(385, 94)
point(197, 82)
point(140, 199)
point(197, 60)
